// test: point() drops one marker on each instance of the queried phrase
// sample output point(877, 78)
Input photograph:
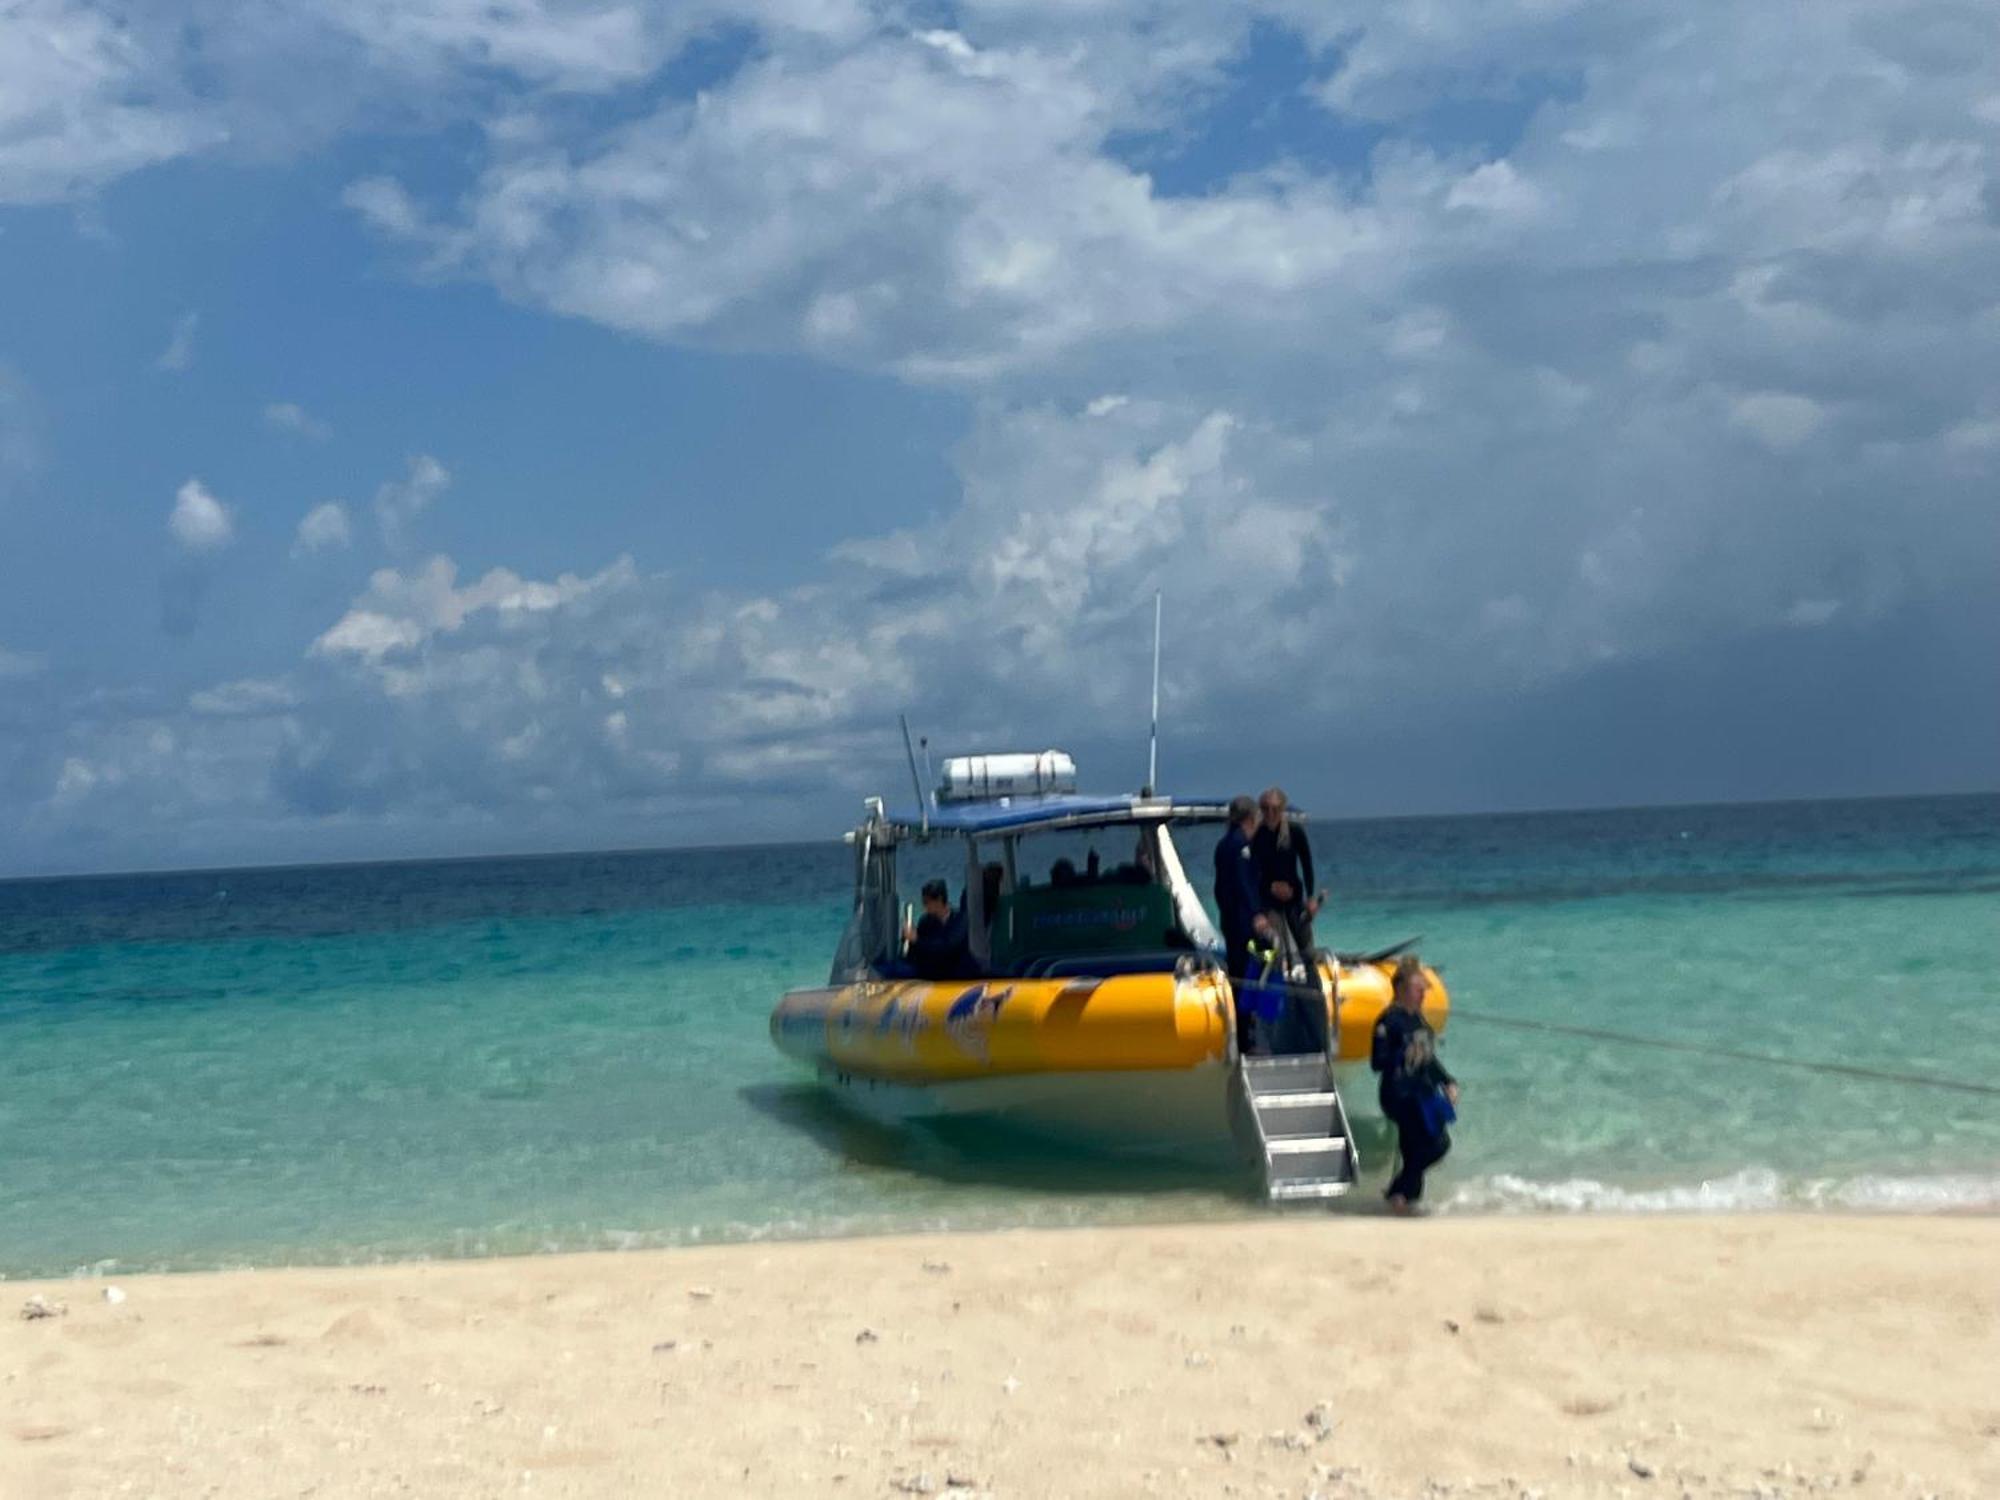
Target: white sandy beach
point(1344, 1357)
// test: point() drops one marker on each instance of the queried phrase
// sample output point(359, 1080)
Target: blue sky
point(440, 427)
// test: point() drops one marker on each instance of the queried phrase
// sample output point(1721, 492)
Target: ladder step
point(1295, 1062)
point(1305, 1073)
point(1305, 1145)
point(1331, 1161)
point(1324, 1187)
point(1288, 1116)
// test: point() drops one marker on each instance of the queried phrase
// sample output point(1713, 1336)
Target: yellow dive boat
point(1091, 1003)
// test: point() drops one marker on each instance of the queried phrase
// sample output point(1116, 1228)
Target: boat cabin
point(1051, 882)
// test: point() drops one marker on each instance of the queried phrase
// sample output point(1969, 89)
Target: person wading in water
point(1418, 1096)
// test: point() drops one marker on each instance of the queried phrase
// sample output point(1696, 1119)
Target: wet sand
point(1343, 1357)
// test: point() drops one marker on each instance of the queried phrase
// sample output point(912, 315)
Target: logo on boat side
point(898, 1019)
point(969, 1022)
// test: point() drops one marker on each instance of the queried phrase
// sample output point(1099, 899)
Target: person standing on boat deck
point(1285, 868)
point(936, 946)
point(1418, 1096)
point(1239, 897)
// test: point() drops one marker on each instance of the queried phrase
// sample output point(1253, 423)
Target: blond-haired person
point(1418, 1096)
point(1285, 867)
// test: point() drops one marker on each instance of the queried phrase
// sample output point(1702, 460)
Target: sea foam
point(1751, 1190)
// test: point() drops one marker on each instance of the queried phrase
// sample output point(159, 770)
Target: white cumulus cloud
point(86, 96)
point(323, 527)
point(200, 522)
point(400, 501)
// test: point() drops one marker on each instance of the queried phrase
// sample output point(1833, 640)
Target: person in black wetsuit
point(1416, 1092)
point(1285, 867)
point(1239, 900)
point(1239, 897)
point(936, 947)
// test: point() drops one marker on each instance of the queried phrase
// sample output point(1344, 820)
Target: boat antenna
point(923, 802)
point(1153, 745)
point(924, 744)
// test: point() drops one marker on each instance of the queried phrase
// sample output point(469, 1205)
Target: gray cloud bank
point(1649, 452)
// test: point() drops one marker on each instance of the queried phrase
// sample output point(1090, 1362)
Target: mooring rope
point(1810, 1065)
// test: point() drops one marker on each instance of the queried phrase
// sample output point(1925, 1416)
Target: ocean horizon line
point(640, 850)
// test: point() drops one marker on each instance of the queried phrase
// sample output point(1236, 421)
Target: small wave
point(1751, 1190)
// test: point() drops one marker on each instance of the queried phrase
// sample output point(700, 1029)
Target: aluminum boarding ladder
point(1300, 1126)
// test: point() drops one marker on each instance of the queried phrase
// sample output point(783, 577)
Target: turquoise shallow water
point(468, 1058)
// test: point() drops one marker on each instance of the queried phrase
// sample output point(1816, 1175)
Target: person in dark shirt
point(1241, 907)
point(936, 947)
point(1239, 899)
point(1418, 1096)
point(1285, 867)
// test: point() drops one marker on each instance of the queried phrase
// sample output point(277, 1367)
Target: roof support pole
point(916, 781)
point(1153, 740)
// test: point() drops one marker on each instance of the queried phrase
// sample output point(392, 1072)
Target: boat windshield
point(1083, 900)
point(1075, 857)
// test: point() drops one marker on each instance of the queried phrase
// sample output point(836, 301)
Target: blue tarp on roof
point(1019, 812)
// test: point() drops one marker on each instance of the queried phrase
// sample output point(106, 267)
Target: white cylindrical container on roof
point(973, 778)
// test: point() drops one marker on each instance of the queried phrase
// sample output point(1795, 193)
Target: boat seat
point(1036, 966)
